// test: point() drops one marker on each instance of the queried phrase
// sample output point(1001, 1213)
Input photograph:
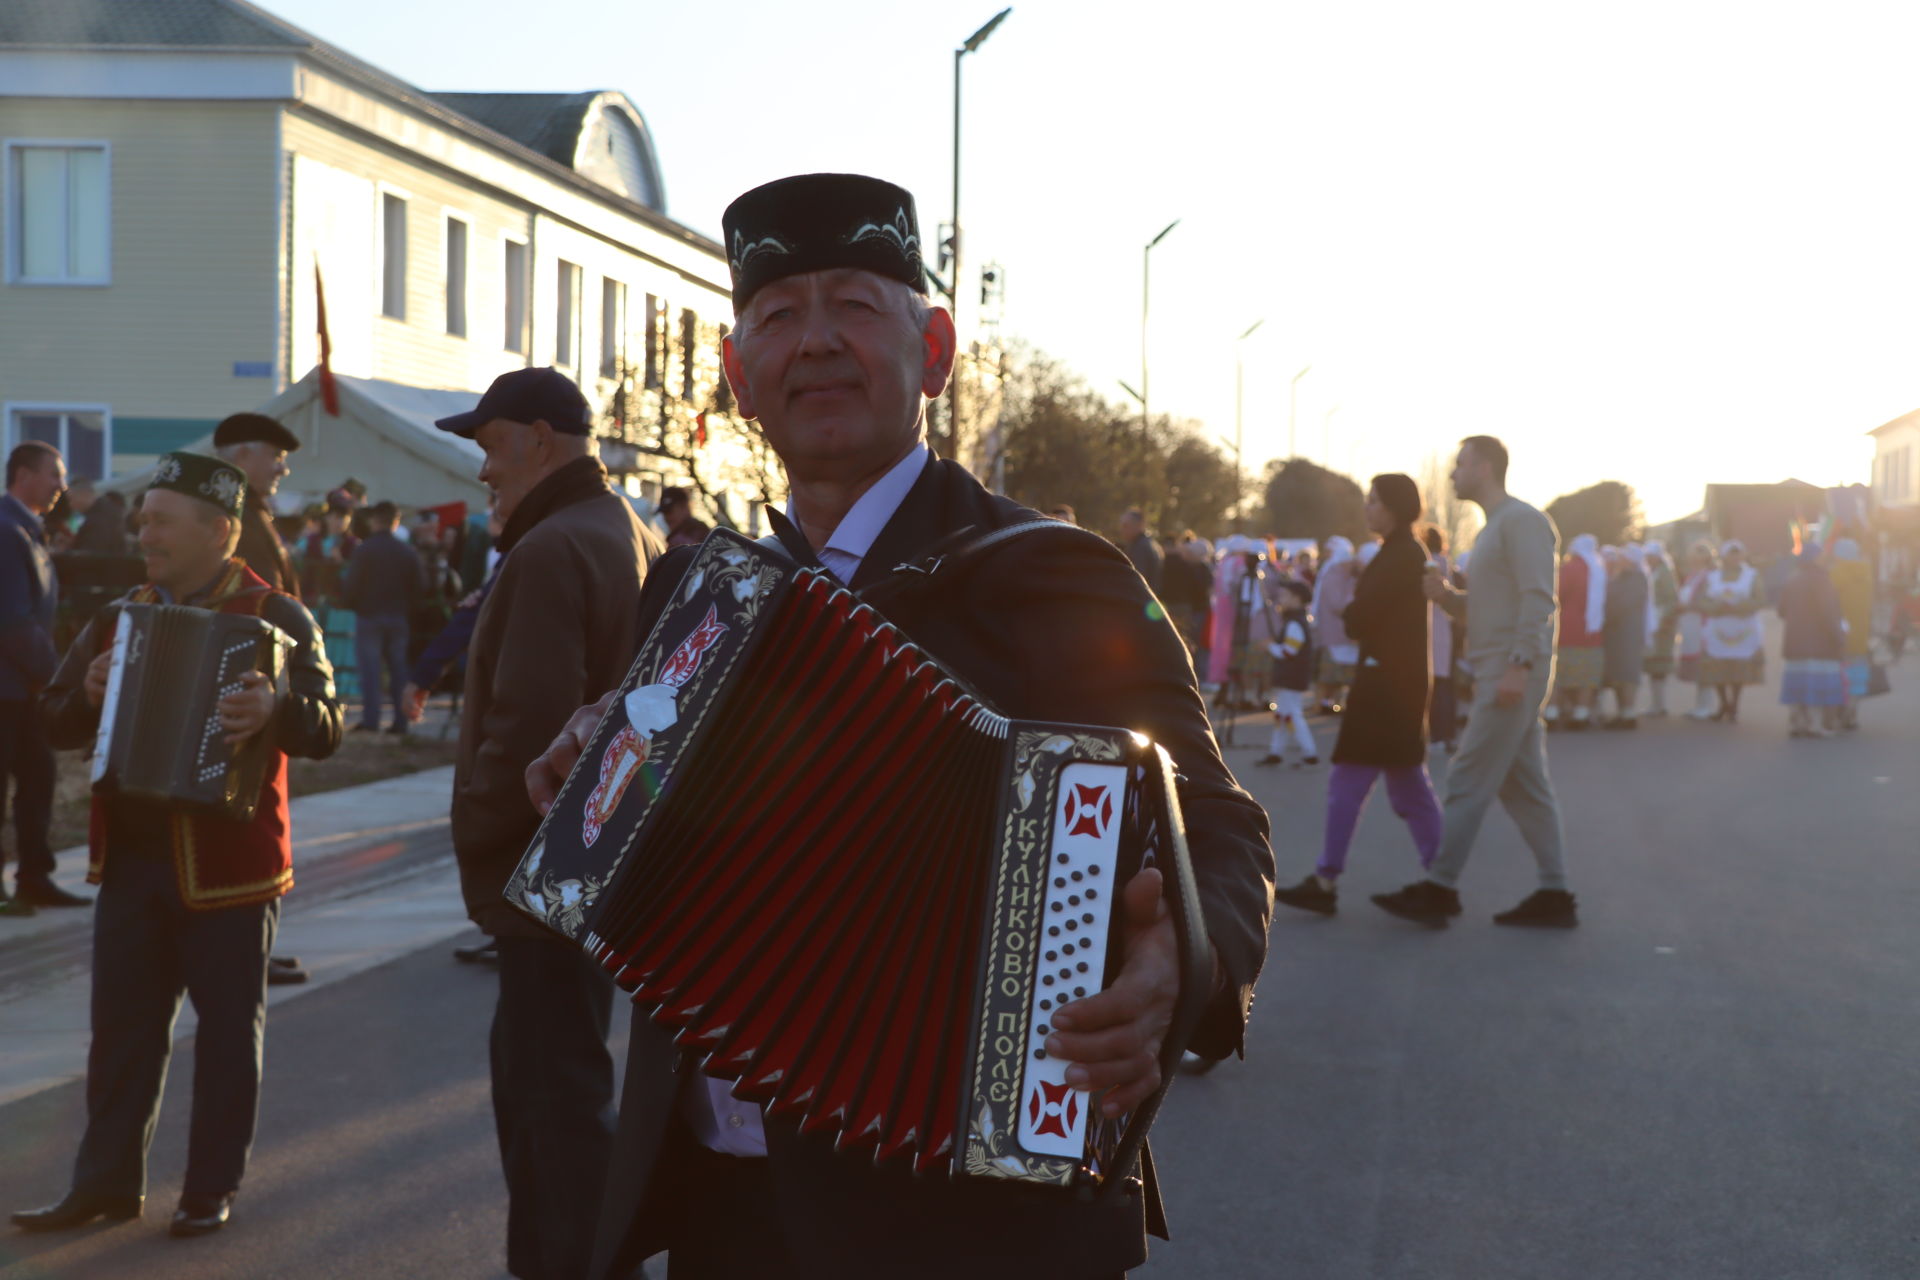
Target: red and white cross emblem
point(1089, 810)
point(1052, 1108)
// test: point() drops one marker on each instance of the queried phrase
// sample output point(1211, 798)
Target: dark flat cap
point(819, 221)
point(249, 428)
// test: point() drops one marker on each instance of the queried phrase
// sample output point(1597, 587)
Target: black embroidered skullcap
point(819, 221)
point(212, 481)
point(249, 428)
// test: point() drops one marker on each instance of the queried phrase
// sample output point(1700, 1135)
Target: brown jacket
point(261, 550)
point(556, 632)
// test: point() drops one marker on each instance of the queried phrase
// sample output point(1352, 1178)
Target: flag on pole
point(329, 390)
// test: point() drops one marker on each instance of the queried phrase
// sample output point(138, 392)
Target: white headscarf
point(1368, 551)
point(1339, 552)
point(1587, 547)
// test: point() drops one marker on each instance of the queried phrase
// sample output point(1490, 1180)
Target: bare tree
point(1457, 518)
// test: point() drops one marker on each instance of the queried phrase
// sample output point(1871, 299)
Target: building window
point(689, 343)
point(655, 310)
point(393, 256)
point(613, 328)
point(59, 214)
point(566, 324)
point(456, 277)
point(80, 434)
point(516, 295)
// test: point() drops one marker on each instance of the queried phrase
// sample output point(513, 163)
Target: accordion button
point(1093, 871)
point(1083, 966)
point(1040, 1055)
point(1074, 901)
point(1047, 980)
point(1068, 949)
point(1055, 955)
point(1088, 918)
point(1040, 1030)
point(1079, 991)
point(1053, 931)
point(1063, 859)
point(1059, 882)
point(735, 1121)
point(1077, 877)
point(1092, 894)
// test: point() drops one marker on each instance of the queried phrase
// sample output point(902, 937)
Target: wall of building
point(1896, 463)
point(193, 242)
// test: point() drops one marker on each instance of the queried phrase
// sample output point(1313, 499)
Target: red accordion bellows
point(845, 948)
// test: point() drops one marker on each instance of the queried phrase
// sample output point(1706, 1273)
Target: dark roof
point(545, 122)
point(196, 24)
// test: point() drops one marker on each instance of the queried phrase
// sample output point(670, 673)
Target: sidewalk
point(374, 880)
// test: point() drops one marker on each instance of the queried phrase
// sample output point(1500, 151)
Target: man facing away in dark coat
point(835, 351)
point(29, 595)
point(557, 629)
point(383, 584)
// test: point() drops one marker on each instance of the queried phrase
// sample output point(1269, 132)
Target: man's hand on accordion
point(548, 773)
point(96, 684)
point(1114, 1038)
point(247, 712)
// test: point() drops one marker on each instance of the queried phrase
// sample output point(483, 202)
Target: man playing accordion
point(189, 900)
point(835, 350)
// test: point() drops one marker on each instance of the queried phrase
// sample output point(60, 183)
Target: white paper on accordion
point(1073, 948)
point(103, 739)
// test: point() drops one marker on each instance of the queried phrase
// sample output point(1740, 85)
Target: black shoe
point(1310, 895)
point(14, 908)
point(45, 893)
point(1543, 909)
point(285, 971)
point(201, 1215)
point(77, 1211)
point(487, 952)
point(1423, 902)
point(1267, 761)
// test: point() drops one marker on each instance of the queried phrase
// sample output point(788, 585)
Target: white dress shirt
point(721, 1121)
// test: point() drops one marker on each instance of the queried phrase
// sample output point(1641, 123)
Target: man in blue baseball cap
point(557, 630)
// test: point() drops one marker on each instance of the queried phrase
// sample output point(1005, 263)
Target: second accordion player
point(160, 736)
point(853, 889)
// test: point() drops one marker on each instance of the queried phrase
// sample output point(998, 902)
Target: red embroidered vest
point(218, 862)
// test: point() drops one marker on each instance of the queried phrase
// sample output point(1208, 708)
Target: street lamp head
point(1250, 328)
point(1305, 369)
point(979, 37)
point(1163, 235)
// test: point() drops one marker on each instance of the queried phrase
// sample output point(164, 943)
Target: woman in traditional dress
point(1854, 581)
point(1664, 592)
point(1332, 593)
point(1384, 731)
point(1812, 647)
point(1580, 655)
point(1735, 653)
point(1628, 620)
point(1701, 562)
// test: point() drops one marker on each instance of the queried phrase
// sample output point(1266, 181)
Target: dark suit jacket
point(1050, 627)
point(1385, 724)
point(29, 595)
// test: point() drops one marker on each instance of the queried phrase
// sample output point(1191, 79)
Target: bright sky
point(1666, 243)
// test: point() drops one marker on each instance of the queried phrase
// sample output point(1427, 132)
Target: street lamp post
point(953, 289)
point(1293, 412)
point(1239, 475)
point(1146, 284)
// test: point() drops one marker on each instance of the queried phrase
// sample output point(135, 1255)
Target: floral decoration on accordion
point(650, 709)
point(668, 689)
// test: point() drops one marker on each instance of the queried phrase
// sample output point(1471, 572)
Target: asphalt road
point(1715, 1076)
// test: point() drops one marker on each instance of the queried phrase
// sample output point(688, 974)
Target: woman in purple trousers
point(1384, 731)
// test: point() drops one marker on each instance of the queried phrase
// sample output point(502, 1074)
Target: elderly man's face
point(265, 465)
point(835, 364)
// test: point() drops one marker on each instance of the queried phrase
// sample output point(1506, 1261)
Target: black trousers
point(26, 758)
point(552, 1103)
point(149, 950)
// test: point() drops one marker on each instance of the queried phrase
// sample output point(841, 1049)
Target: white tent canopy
point(384, 438)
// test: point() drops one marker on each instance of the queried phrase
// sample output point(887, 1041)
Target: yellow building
point(177, 174)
